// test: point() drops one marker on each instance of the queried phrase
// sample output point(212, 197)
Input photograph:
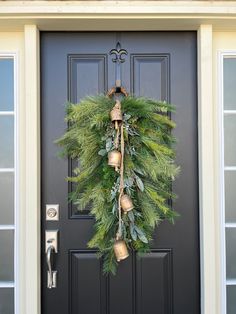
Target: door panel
point(150, 67)
point(161, 65)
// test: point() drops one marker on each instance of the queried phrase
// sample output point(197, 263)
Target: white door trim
point(209, 301)
point(32, 174)
point(209, 287)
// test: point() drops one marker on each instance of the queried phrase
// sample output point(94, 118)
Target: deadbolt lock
point(52, 212)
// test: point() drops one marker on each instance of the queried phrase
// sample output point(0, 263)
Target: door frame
point(208, 239)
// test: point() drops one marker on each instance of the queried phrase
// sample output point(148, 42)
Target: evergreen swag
point(149, 169)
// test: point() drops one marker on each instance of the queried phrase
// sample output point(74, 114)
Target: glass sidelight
point(229, 176)
point(7, 184)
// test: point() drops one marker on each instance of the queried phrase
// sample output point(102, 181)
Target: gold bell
point(126, 203)
point(114, 158)
point(120, 250)
point(116, 114)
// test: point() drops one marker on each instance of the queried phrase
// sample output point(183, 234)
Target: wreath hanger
point(118, 60)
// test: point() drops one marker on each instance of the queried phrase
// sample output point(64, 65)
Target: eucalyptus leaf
point(132, 132)
point(139, 171)
point(143, 238)
point(127, 116)
point(113, 194)
point(108, 144)
point(141, 234)
point(131, 216)
point(114, 209)
point(139, 231)
point(102, 152)
point(128, 182)
point(139, 183)
point(133, 232)
point(123, 229)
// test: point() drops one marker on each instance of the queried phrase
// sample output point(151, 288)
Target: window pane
point(6, 84)
point(230, 196)
point(231, 299)
point(230, 139)
point(6, 300)
point(6, 255)
point(7, 198)
point(6, 141)
point(229, 83)
point(231, 253)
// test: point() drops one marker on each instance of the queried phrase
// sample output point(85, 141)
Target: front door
point(161, 65)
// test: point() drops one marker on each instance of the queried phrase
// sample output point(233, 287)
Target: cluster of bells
point(126, 204)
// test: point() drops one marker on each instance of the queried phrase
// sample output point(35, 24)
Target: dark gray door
point(160, 65)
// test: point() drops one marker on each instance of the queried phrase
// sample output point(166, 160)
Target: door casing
point(206, 170)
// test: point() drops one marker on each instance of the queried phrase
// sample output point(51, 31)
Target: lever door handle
point(51, 282)
point(51, 247)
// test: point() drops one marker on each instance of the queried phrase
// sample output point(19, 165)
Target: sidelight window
point(228, 114)
point(8, 177)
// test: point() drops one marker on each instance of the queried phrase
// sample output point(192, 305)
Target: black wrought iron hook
point(118, 52)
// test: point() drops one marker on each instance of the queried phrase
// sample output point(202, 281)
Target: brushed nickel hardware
point(52, 275)
point(52, 212)
point(51, 246)
point(51, 238)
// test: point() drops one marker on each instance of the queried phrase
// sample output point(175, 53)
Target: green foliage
point(149, 169)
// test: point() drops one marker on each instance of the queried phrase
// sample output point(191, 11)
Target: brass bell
point(116, 114)
point(114, 158)
point(126, 203)
point(120, 250)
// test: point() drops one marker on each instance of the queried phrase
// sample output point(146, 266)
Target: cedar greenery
point(149, 169)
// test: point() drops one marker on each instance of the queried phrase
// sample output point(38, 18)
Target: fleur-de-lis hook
point(118, 52)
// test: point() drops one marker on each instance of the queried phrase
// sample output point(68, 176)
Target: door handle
point(51, 248)
point(51, 273)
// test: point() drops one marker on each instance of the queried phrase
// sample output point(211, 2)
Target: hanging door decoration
point(125, 148)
